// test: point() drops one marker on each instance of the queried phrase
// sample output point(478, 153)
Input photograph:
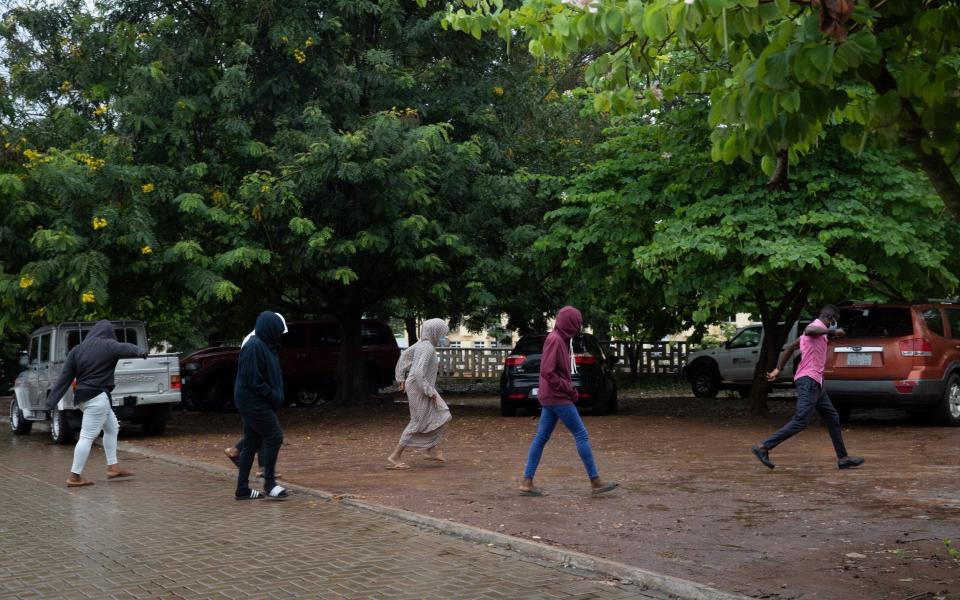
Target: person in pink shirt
point(811, 396)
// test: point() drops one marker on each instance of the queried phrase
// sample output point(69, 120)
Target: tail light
point(585, 359)
point(916, 347)
point(583, 394)
point(175, 381)
point(905, 387)
point(514, 360)
point(516, 396)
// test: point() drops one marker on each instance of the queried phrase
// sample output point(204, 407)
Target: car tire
point(948, 412)
point(705, 382)
point(61, 431)
point(18, 424)
point(307, 397)
point(507, 409)
point(155, 425)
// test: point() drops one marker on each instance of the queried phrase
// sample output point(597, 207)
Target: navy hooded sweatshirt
point(92, 364)
point(259, 380)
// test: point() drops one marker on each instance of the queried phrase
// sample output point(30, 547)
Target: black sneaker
point(763, 456)
point(850, 462)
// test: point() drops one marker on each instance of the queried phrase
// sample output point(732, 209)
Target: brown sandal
point(78, 483)
point(119, 474)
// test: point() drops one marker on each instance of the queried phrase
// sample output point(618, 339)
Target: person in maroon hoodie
point(557, 400)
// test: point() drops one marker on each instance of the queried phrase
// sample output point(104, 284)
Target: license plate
point(859, 359)
point(534, 392)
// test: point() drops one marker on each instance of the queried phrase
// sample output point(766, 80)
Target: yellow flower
point(146, 250)
point(100, 110)
point(299, 56)
point(284, 39)
point(31, 154)
point(553, 95)
point(146, 188)
point(88, 297)
point(26, 281)
point(498, 90)
point(309, 42)
point(66, 86)
point(265, 188)
point(92, 163)
point(39, 312)
point(99, 223)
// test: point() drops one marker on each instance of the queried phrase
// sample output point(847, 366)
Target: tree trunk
point(776, 327)
point(352, 385)
point(412, 334)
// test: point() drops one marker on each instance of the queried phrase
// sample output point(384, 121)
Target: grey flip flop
point(535, 492)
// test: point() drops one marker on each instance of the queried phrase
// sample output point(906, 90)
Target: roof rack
point(942, 301)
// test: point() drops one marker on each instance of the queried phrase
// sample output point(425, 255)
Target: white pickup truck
point(146, 388)
point(732, 365)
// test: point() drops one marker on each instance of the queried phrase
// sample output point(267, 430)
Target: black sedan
point(593, 375)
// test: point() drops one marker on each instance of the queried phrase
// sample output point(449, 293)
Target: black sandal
point(278, 493)
point(253, 495)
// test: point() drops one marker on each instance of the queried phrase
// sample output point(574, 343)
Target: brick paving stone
point(176, 532)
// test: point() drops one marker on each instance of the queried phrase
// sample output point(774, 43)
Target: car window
point(296, 337)
point(530, 345)
point(375, 333)
point(45, 347)
point(953, 317)
point(934, 320)
point(594, 346)
point(748, 338)
point(876, 322)
point(34, 350)
point(580, 345)
point(127, 335)
point(74, 337)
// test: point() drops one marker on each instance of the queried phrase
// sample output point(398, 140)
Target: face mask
point(444, 341)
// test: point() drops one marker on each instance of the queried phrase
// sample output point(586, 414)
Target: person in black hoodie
point(92, 364)
point(258, 394)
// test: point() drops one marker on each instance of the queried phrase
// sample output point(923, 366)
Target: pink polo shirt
point(813, 355)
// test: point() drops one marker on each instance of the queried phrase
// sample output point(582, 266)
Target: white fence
point(487, 363)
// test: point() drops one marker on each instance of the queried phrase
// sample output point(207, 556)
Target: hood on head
point(434, 329)
point(103, 329)
point(270, 326)
point(569, 321)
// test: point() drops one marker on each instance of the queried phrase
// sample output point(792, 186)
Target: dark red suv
point(308, 357)
point(901, 355)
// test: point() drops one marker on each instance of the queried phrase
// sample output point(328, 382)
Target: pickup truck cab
point(145, 392)
point(731, 366)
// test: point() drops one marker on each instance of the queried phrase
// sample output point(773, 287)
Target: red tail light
point(585, 359)
point(916, 347)
point(175, 382)
point(516, 396)
point(583, 394)
point(905, 387)
point(514, 360)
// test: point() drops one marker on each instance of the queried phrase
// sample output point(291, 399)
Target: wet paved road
point(176, 532)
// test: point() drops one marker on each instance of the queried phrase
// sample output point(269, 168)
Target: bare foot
point(436, 455)
point(115, 472)
point(396, 465)
point(77, 481)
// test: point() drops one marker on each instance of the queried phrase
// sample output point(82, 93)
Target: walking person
point(811, 396)
point(258, 394)
point(417, 373)
point(92, 363)
point(558, 397)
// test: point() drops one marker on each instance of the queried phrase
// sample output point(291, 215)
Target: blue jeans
point(548, 420)
point(810, 397)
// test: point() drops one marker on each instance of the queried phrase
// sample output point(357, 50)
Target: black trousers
point(261, 435)
point(811, 397)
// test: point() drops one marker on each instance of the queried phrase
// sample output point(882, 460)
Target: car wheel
point(307, 397)
point(507, 409)
point(844, 410)
point(60, 429)
point(744, 392)
point(18, 424)
point(705, 382)
point(949, 410)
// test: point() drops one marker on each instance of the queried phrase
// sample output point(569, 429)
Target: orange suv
point(901, 355)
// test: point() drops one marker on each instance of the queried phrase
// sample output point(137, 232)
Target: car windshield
point(876, 322)
point(530, 345)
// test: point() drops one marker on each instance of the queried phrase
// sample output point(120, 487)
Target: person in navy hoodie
point(557, 396)
point(258, 394)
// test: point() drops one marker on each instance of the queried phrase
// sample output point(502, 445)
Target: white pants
point(97, 416)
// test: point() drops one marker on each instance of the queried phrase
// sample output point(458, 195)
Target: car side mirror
point(24, 360)
point(726, 344)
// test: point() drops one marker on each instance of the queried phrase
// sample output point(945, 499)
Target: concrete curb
point(681, 588)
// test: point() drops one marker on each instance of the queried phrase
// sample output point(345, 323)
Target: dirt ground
point(693, 503)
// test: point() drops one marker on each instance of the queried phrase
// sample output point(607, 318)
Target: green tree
point(777, 72)
point(712, 239)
